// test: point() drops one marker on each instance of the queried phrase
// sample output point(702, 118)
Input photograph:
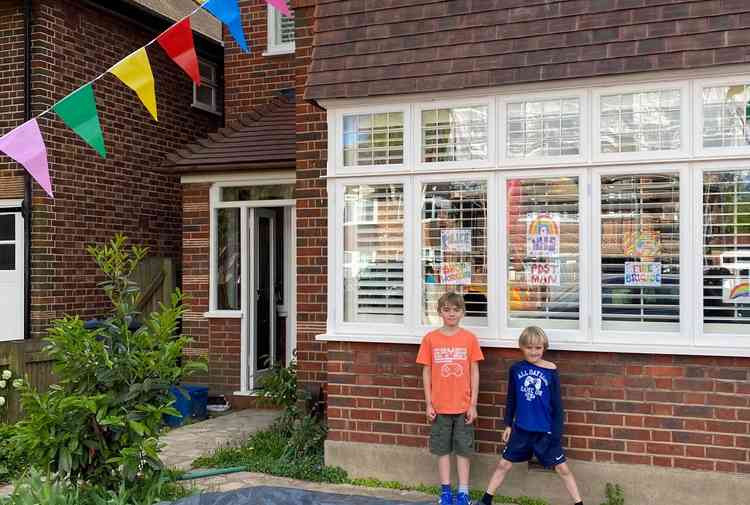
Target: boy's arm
point(471, 414)
point(557, 408)
point(510, 400)
point(427, 382)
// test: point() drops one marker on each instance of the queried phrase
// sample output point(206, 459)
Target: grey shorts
point(450, 433)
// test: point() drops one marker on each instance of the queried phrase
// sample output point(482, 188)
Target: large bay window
point(617, 218)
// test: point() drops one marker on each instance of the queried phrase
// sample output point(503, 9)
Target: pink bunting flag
point(282, 6)
point(25, 145)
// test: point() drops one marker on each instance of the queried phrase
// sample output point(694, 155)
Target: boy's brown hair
point(533, 335)
point(451, 298)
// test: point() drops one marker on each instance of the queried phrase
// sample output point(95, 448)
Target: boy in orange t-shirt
point(451, 356)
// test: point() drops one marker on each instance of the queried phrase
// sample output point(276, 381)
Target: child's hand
point(471, 415)
point(431, 414)
point(506, 435)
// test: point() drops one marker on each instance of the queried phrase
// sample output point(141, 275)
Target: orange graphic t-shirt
point(449, 358)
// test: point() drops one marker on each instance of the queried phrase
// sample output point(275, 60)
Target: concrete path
point(187, 443)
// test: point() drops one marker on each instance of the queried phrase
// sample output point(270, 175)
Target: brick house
point(47, 51)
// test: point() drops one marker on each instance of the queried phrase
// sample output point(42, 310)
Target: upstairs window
point(280, 32)
point(373, 139)
point(543, 128)
point(455, 134)
point(205, 95)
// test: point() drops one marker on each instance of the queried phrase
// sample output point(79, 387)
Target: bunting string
point(78, 109)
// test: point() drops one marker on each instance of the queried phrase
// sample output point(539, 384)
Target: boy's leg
point(444, 469)
point(569, 480)
point(463, 446)
point(441, 446)
point(463, 464)
point(501, 471)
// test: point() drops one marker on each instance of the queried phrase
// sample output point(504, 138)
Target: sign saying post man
point(542, 274)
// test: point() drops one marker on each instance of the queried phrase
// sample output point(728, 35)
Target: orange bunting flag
point(178, 43)
point(135, 72)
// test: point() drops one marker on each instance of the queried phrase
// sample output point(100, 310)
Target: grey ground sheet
point(265, 495)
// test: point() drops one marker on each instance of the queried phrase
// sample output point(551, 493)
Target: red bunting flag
point(178, 43)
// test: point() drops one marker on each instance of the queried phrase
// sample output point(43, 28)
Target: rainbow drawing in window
point(736, 291)
point(543, 235)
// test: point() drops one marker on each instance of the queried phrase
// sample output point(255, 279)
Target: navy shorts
point(523, 444)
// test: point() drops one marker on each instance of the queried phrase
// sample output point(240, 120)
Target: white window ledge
point(695, 350)
point(279, 51)
point(223, 314)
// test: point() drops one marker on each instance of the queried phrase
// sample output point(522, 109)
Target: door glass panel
point(7, 226)
point(228, 292)
point(7, 257)
point(264, 301)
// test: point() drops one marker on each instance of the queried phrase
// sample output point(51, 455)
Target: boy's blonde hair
point(451, 298)
point(533, 335)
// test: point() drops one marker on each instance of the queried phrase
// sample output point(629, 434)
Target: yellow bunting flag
point(135, 72)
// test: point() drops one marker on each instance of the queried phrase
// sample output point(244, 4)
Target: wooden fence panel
point(25, 359)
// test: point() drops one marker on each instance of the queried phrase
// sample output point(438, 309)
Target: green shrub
point(101, 423)
point(279, 386)
point(13, 461)
point(615, 495)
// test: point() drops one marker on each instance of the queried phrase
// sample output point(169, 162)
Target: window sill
point(223, 314)
point(206, 109)
point(278, 51)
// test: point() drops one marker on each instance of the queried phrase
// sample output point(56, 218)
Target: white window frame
point(336, 143)
point(642, 337)
point(690, 161)
point(20, 265)
point(273, 19)
point(686, 139)
point(584, 153)
point(212, 83)
point(580, 334)
point(701, 151)
point(475, 165)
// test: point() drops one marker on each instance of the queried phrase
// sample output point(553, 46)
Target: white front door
point(11, 272)
point(262, 331)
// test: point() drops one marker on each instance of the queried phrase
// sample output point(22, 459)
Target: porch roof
point(264, 138)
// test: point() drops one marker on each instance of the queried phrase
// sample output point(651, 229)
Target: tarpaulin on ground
point(265, 495)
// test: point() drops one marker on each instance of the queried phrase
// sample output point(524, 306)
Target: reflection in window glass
point(247, 193)
point(454, 241)
point(640, 252)
point(544, 128)
point(726, 252)
point(374, 253)
point(374, 139)
point(639, 122)
point(543, 252)
point(455, 134)
point(726, 110)
point(228, 289)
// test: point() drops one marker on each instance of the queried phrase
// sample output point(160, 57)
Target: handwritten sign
point(543, 235)
point(542, 274)
point(456, 273)
point(735, 291)
point(644, 274)
point(456, 240)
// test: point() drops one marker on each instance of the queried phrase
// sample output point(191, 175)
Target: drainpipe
point(27, 177)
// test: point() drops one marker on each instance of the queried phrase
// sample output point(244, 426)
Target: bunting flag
point(25, 145)
point(135, 72)
point(78, 111)
point(282, 6)
point(228, 12)
point(178, 43)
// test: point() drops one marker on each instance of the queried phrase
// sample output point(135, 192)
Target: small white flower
point(17, 383)
point(3, 384)
point(7, 375)
point(2, 401)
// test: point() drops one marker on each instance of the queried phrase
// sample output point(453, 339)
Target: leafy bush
point(101, 423)
point(13, 461)
point(614, 494)
point(279, 386)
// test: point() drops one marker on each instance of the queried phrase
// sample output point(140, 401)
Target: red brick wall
point(672, 411)
point(95, 198)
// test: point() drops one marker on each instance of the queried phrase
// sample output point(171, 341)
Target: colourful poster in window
point(456, 240)
point(735, 290)
point(455, 273)
point(543, 235)
point(542, 274)
point(641, 244)
point(643, 274)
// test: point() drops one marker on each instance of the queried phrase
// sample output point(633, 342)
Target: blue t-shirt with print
point(534, 401)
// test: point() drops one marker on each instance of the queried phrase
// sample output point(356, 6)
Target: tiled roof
point(381, 47)
point(202, 22)
point(262, 139)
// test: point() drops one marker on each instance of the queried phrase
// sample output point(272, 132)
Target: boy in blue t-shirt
point(533, 415)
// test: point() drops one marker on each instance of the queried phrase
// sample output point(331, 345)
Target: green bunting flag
point(78, 111)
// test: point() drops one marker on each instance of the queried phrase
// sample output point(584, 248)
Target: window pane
point(374, 253)
point(7, 257)
point(725, 113)
point(284, 27)
point(228, 289)
point(454, 254)
point(270, 192)
point(544, 128)
point(640, 249)
point(456, 134)
point(7, 226)
point(726, 252)
point(205, 95)
point(638, 122)
point(543, 252)
point(374, 139)
point(207, 72)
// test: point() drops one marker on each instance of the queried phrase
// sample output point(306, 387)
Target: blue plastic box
point(194, 406)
